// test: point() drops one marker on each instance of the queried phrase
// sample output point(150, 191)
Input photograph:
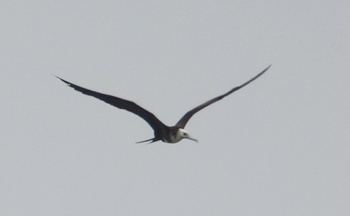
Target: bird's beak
point(192, 138)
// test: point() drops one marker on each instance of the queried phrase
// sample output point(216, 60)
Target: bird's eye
point(185, 134)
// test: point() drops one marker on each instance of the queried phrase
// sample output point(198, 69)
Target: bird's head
point(182, 134)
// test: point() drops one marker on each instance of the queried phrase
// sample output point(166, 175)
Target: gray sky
point(279, 146)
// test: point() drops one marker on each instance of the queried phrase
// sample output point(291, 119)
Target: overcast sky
point(279, 146)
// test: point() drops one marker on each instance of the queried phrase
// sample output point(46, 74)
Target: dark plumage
point(161, 131)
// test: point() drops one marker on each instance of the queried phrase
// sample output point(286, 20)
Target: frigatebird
point(161, 132)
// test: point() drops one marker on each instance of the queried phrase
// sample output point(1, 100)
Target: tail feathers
point(152, 140)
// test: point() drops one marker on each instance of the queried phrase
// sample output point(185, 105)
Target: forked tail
point(152, 140)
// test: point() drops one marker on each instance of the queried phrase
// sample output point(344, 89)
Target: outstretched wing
point(120, 103)
point(183, 121)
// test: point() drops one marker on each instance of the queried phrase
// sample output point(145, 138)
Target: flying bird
point(162, 132)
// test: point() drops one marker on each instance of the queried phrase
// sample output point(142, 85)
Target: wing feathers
point(183, 121)
point(120, 103)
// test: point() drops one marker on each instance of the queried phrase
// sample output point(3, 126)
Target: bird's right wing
point(183, 121)
point(120, 103)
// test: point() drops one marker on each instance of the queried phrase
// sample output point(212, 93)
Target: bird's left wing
point(183, 121)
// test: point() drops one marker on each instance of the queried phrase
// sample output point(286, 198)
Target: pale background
point(279, 146)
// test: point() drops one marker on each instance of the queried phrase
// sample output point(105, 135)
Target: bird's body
point(171, 135)
point(162, 132)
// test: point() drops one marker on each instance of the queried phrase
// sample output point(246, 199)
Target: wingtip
point(263, 71)
point(268, 67)
point(62, 79)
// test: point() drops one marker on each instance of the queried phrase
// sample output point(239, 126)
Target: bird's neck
point(173, 136)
